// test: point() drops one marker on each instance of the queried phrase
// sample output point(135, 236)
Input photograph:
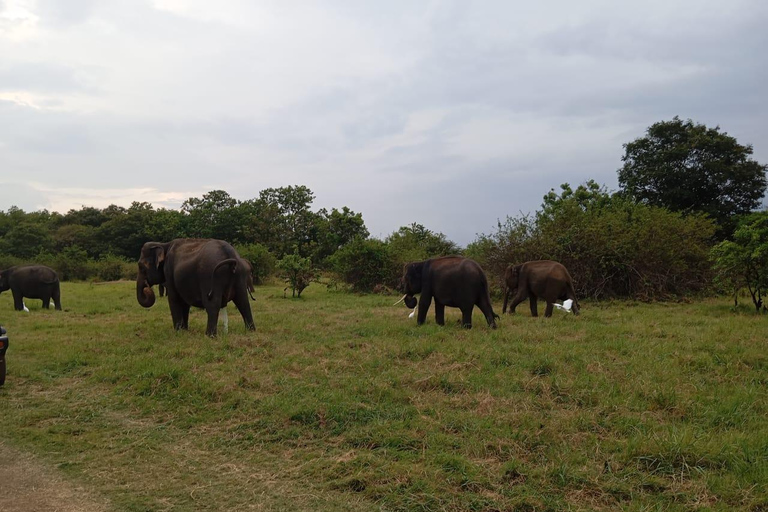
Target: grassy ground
point(339, 402)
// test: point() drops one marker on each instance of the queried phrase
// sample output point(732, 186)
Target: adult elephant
point(32, 282)
point(541, 279)
point(199, 272)
point(452, 281)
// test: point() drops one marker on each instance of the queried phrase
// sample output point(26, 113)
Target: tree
point(297, 272)
point(215, 215)
point(283, 220)
point(335, 230)
point(685, 167)
point(743, 261)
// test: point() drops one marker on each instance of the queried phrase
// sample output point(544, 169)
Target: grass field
point(339, 402)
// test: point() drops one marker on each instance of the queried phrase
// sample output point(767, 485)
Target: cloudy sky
point(449, 113)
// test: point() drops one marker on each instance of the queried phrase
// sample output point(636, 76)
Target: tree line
point(683, 220)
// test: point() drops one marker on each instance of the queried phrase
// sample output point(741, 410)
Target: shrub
point(362, 263)
point(613, 247)
point(72, 263)
point(743, 261)
point(262, 261)
point(297, 272)
point(113, 268)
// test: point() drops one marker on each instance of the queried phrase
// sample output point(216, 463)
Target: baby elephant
point(32, 282)
point(544, 279)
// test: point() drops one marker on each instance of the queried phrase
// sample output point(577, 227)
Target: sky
point(452, 114)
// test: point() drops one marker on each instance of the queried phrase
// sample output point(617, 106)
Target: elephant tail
point(571, 293)
point(229, 261)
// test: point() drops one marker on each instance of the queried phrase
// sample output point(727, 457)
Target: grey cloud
point(43, 77)
point(65, 13)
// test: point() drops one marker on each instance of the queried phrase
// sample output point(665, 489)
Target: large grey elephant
point(452, 281)
point(199, 272)
point(32, 282)
point(545, 279)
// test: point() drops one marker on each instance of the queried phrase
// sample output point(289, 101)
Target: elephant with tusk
point(452, 281)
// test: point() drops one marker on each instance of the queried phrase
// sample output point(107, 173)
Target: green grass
point(340, 402)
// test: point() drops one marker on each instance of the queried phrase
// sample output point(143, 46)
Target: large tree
point(684, 166)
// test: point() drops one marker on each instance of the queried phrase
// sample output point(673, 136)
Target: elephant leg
point(57, 297)
point(177, 313)
point(507, 293)
point(185, 316)
point(46, 301)
point(424, 302)
point(534, 300)
point(244, 307)
point(485, 306)
point(550, 307)
point(439, 313)
point(517, 300)
point(213, 320)
point(18, 301)
point(575, 308)
point(466, 317)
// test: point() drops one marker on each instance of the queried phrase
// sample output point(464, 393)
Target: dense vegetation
point(683, 189)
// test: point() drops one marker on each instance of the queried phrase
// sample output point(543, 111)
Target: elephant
point(3, 350)
point(32, 282)
point(452, 281)
point(544, 279)
point(200, 272)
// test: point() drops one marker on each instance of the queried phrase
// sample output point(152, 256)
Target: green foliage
point(276, 223)
point(262, 261)
point(297, 272)
point(114, 268)
point(612, 247)
point(335, 230)
point(743, 261)
point(215, 215)
point(71, 264)
point(27, 239)
point(363, 263)
point(685, 167)
point(282, 220)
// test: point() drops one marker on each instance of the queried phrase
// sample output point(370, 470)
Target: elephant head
point(411, 282)
point(512, 277)
point(150, 272)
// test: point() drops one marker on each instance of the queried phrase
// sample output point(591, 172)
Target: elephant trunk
point(144, 293)
point(410, 301)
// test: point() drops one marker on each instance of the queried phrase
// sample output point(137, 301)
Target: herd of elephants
point(208, 274)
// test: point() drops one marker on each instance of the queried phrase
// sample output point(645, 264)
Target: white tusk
point(401, 300)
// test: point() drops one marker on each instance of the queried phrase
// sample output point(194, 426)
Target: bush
point(362, 263)
point(72, 263)
point(262, 261)
point(297, 272)
point(613, 247)
point(114, 268)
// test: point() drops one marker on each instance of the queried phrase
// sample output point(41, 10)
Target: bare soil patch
point(29, 485)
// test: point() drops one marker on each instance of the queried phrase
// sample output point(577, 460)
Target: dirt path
point(28, 485)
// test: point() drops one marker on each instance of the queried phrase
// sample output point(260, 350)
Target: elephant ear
point(159, 255)
point(418, 269)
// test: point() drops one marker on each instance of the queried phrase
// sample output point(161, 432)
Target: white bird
point(565, 306)
point(24, 306)
point(412, 313)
